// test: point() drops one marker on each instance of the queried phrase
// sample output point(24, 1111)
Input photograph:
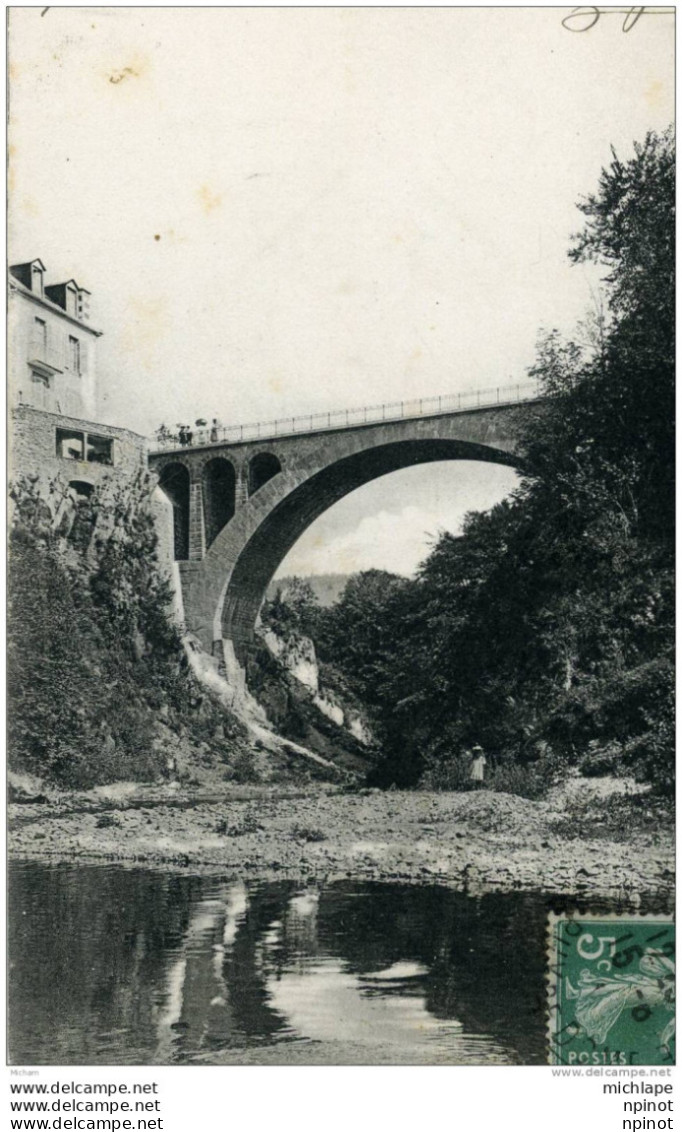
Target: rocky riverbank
point(585, 841)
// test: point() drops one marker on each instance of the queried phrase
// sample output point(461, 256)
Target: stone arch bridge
point(243, 496)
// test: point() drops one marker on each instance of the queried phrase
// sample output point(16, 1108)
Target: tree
point(360, 631)
point(630, 230)
point(294, 608)
point(547, 626)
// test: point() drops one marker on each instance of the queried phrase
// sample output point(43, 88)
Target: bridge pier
point(241, 489)
point(197, 525)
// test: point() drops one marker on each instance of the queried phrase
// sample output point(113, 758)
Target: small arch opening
point(174, 482)
point(218, 488)
point(261, 469)
point(81, 488)
point(78, 519)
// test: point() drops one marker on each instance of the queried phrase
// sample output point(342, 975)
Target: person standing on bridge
point(477, 767)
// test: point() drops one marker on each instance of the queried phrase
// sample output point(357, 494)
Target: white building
point(51, 346)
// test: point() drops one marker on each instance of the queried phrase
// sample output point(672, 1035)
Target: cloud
point(392, 523)
point(389, 540)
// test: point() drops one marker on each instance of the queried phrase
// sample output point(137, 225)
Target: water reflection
point(110, 965)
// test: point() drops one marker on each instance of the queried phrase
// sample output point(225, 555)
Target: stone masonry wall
point(33, 452)
point(33, 448)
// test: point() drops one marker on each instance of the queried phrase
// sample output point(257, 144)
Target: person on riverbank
point(477, 767)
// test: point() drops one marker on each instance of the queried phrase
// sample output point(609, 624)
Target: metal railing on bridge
point(203, 435)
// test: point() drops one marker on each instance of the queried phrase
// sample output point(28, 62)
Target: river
point(114, 965)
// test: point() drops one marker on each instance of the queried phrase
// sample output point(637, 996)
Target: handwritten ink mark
point(44, 11)
point(585, 18)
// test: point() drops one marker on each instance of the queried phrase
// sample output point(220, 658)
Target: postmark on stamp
point(611, 990)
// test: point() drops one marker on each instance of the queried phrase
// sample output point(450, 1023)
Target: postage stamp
point(611, 990)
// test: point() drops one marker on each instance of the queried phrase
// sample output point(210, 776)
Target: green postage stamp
point(611, 990)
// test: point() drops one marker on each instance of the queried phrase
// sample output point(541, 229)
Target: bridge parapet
point(413, 409)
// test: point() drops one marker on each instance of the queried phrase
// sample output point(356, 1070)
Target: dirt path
point(477, 842)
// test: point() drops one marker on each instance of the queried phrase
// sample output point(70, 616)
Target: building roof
point(29, 263)
point(16, 285)
point(83, 290)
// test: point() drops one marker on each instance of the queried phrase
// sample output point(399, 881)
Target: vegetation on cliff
point(98, 684)
point(308, 700)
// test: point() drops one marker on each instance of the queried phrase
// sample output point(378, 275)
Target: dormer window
point(69, 296)
point(30, 274)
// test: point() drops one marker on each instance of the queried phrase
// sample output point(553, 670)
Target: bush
point(529, 781)
point(507, 776)
point(451, 773)
point(106, 821)
point(244, 768)
point(248, 824)
point(602, 759)
point(308, 833)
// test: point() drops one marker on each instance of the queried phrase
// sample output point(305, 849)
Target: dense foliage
point(545, 631)
point(293, 608)
point(94, 661)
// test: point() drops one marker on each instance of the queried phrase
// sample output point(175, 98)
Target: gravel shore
point(473, 841)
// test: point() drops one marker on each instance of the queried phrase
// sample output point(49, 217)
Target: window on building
point(74, 445)
point(40, 337)
point(100, 449)
point(40, 393)
point(75, 354)
point(70, 444)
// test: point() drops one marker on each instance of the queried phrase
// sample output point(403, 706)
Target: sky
point(279, 211)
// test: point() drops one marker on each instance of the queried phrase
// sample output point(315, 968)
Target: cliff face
point(296, 654)
point(100, 688)
point(303, 703)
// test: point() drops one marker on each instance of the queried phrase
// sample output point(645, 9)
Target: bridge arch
point(219, 483)
point(174, 480)
point(262, 467)
point(279, 517)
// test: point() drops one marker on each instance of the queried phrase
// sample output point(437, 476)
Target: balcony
point(44, 358)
